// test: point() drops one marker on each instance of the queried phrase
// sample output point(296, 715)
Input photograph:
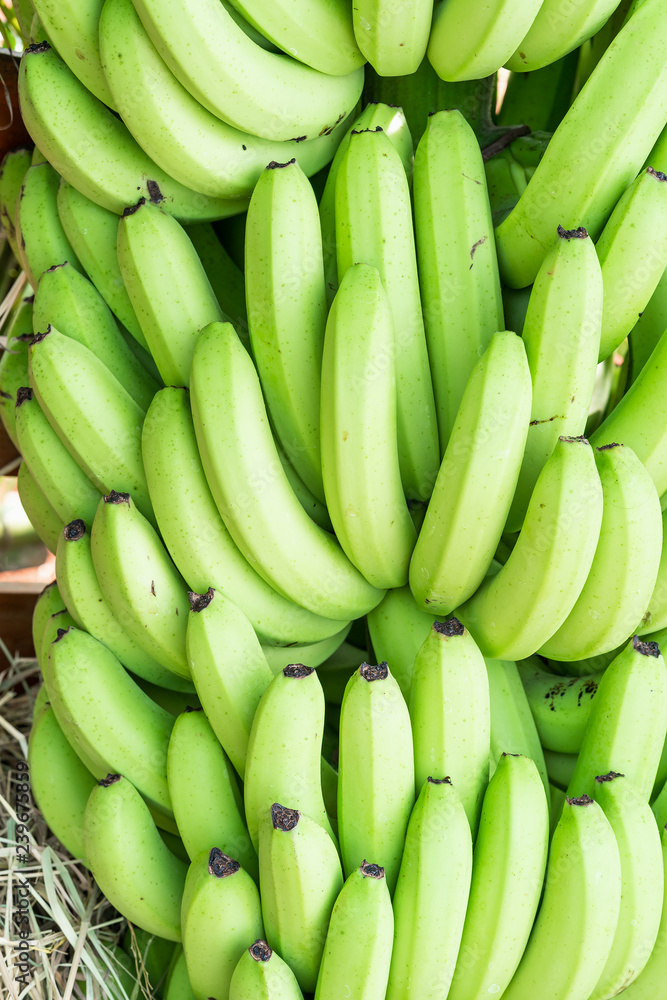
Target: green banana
point(513, 728)
point(287, 310)
point(229, 670)
point(42, 241)
point(632, 250)
point(315, 653)
point(293, 705)
point(250, 489)
point(13, 169)
point(257, 91)
point(146, 883)
point(181, 498)
point(558, 29)
point(431, 894)
point(59, 781)
point(40, 513)
point(177, 985)
point(394, 44)
point(48, 603)
point(374, 226)
point(458, 269)
point(561, 706)
point(560, 768)
point(315, 509)
point(357, 950)
point(66, 300)
point(261, 974)
point(91, 611)
point(58, 622)
point(397, 628)
point(14, 364)
point(192, 145)
point(627, 723)
point(625, 565)
point(648, 329)
point(73, 28)
point(376, 774)
point(450, 714)
point(638, 840)
point(467, 512)
point(204, 791)
point(220, 913)
point(140, 582)
point(93, 150)
point(226, 278)
point(561, 335)
point(541, 98)
point(650, 982)
point(465, 48)
point(615, 119)
point(516, 610)
point(94, 416)
point(507, 874)
point(107, 717)
point(300, 878)
point(360, 457)
point(655, 616)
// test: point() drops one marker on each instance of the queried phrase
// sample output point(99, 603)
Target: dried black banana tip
point(573, 234)
point(451, 627)
point(60, 633)
point(274, 165)
point(154, 193)
point(110, 779)
point(200, 601)
point(608, 447)
point(369, 870)
point(369, 672)
point(297, 671)
point(582, 800)
point(645, 648)
point(360, 131)
point(221, 865)
point(611, 776)
point(74, 530)
point(39, 337)
point(260, 951)
point(283, 818)
point(657, 174)
point(23, 395)
point(131, 209)
point(573, 440)
point(117, 498)
point(193, 708)
point(440, 781)
point(37, 47)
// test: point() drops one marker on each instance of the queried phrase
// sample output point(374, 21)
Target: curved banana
point(93, 232)
point(507, 874)
point(458, 269)
point(450, 714)
point(465, 48)
point(360, 457)
point(93, 150)
point(561, 706)
point(374, 226)
point(229, 670)
point(91, 611)
point(204, 792)
point(14, 364)
point(13, 169)
point(107, 716)
point(628, 721)
point(561, 334)
point(616, 117)
point(65, 485)
point(260, 92)
point(144, 884)
point(632, 250)
point(209, 558)
point(300, 878)
point(394, 45)
point(42, 241)
point(473, 492)
point(651, 981)
point(66, 300)
point(168, 287)
point(261, 974)
point(516, 610)
point(431, 895)
point(140, 582)
point(513, 728)
point(638, 840)
point(292, 704)
point(376, 774)
point(94, 416)
point(220, 913)
point(574, 930)
point(73, 28)
point(171, 126)
point(250, 489)
point(287, 310)
point(625, 565)
point(40, 513)
point(59, 781)
point(558, 29)
point(398, 627)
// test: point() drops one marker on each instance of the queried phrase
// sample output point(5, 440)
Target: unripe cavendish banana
point(73, 28)
point(394, 44)
point(507, 875)
point(360, 456)
point(516, 610)
point(229, 670)
point(376, 776)
point(561, 706)
point(40, 513)
point(374, 226)
point(220, 913)
point(450, 714)
point(204, 792)
point(431, 895)
point(649, 984)
point(12, 172)
point(251, 491)
point(261, 974)
point(145, 884)
point(398, 627)
point(300, 878)
point(42, 241)
point(558, 29)
point(513, 729)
